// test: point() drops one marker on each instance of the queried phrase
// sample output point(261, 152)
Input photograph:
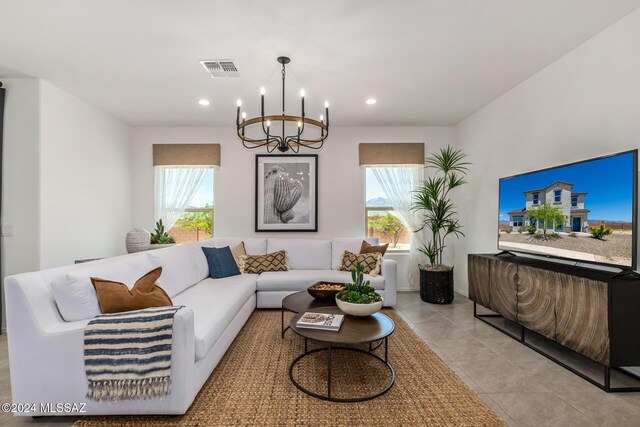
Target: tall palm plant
point(432, 200)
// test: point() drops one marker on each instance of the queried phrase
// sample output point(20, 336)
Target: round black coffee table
point(300, 302)
point(354, 330)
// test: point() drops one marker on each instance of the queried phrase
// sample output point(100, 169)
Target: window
point(184, 197)
point(381, 219)
point(557, 196)
point(517, 221)
point(574, 201)
point(536, 198)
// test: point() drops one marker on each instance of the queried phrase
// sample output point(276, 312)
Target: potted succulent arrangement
point(358, 298)
point(439, 218)
point(160, 238)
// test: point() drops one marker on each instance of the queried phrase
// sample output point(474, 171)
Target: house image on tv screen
point(557, 194)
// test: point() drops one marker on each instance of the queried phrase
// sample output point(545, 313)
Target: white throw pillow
point(74, 294)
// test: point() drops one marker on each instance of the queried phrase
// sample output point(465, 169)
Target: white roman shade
point(186, 155)
point(399, 153)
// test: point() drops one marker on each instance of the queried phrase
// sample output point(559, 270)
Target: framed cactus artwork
point(286, 192)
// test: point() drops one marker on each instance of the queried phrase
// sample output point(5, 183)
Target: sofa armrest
point(48, 359)
point(389, 270)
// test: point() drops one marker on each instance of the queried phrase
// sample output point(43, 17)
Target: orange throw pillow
point(368, 248)
point(115, 297)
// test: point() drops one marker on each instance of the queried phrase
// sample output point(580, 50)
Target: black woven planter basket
point(436, 287)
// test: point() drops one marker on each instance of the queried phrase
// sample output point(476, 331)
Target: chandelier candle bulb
point(262, 91)
point(326, 112)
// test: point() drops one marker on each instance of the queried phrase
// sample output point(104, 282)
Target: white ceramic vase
point(138, 240)
point(359, 309)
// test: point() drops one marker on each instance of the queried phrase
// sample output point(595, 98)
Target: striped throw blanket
point(128, 355)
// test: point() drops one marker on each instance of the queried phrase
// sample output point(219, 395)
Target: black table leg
point(329, 373)
point(386, 349)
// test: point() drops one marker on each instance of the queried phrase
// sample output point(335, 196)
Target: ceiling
point(426, 62)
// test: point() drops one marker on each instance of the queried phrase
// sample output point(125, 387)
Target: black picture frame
point(301, 171)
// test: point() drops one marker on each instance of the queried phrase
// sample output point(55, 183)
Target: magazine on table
point(326, 321)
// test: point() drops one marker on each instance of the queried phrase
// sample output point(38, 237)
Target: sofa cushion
point(338, 246)
point(215, 302)
point(182, 266)
point(298, 280)
point(251, 246)
point(116, 297)
point(76, 297)
point(221, 262)
point(304, 254)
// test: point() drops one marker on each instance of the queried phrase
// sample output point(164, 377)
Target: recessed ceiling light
point(371, 101)
point(204, 102)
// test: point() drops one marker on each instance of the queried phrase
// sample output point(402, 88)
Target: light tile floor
point(523, 387)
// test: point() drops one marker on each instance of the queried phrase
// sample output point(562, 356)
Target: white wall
point(20, 177)
point(586, 104)
point(340, 179)
point(66, 179)
point(85, 180)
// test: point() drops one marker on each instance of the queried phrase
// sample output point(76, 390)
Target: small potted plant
point(160, 238)
point(358, 298)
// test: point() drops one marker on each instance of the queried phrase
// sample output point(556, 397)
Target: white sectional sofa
point(46, 351)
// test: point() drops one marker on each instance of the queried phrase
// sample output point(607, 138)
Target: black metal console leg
point(282, 321)
point(607, 379)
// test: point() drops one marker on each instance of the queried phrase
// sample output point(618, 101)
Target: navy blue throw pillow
point(221, 262)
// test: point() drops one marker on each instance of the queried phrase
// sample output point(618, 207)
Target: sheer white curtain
point(175, 187)
point(398, 182)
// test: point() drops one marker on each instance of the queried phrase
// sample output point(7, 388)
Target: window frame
point(521, 221)
point(368, 209)
point(535, 197)
point(557, 196)
point(574, 205)
point(193, 210)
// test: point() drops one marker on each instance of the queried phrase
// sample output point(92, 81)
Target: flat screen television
point(584, 211)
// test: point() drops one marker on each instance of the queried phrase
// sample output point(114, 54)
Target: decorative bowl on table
point(359, 309)
point(325, 291)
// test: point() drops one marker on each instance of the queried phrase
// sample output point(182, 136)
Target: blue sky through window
point(608, 182)
point(204, 195)
point(373, 190)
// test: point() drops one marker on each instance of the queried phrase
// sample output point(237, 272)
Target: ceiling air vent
point(220, 68)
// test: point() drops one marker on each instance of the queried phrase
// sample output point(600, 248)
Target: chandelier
point(273, 136)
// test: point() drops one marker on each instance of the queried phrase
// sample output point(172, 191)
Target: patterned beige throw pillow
point(256, 264)
point(371, 262)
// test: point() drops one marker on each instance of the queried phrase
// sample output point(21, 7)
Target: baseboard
point(464, 292)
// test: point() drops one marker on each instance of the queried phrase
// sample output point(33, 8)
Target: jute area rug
point(250, 386)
